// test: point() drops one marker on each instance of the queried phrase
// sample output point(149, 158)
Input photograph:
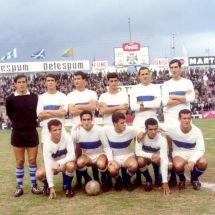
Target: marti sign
point(202, 61)
point(131, 46)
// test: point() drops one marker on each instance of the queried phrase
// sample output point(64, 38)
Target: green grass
point(123, 203)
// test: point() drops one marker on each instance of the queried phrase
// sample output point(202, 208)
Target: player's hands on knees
point(52, 194)
point(190, 165)
point(166, 189)
point(55, 167)
point(155, 158)
point(111, 163)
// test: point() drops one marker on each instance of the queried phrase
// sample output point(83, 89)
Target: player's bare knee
point(202, 163)
point(141, 162)
point(20, 162)
point(102, 165)
point(70, 167)
point(113, 171)
point(40, 174)
point(81, 163)
point(179, 167)
point(32, 160)
point(157, 161)
point(133, 167)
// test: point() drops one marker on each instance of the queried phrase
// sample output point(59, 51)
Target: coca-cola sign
point(131, 46)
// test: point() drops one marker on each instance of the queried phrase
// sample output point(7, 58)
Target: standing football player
point(21, 110)
point(113, 100)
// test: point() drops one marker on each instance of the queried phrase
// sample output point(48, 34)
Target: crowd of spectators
point(203, 80)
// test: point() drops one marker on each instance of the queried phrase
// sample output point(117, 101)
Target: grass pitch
point(121, 203)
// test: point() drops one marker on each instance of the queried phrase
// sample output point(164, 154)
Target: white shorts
point(171, 119)
point(122, 158)
point(139, 121)
point(94, 157)
point(186, 155)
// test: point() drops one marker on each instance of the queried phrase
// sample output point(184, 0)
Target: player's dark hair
point(20, 76)
point(82, 74)
point(150, 121)
point(117, 116)
point(51, 76)
point(184, 111)
point(112, 75)
point(86, 112)
point(175, 61)
point(143, 68)
point(54, 122)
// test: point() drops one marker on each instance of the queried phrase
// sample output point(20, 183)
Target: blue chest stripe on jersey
point(150, 149)
point(112, 105)
point(59, 153)
point(83, 103)
point(51, 107)
point(145, 98)
point(183, 144)
point(177, 93)
point(119, 145)
point(90, 145)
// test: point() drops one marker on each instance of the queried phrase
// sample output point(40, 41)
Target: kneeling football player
point(95, 151)
point(59, 156)
point(153, 149)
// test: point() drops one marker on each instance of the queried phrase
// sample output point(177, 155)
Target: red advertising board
point(131, 46)
point(208, 114)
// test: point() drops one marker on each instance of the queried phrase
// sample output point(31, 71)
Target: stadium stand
point(203, 80)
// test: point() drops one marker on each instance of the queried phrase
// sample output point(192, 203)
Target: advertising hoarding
point(130, 58)
point(202, 61)
point(45, 66)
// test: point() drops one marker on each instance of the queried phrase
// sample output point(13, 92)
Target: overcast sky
point(94, 27)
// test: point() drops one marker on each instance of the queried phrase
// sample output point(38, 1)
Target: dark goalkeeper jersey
point(21, 110)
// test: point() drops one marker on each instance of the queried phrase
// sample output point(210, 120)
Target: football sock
point(68, 179)
point(19, 176)
point(103, 173)
point(78, 176)
point(104, 176)
point(118, 179)
point(32, 173)
point(146, 174)
point(123, 171)
point(138, 176)
point(109, 178)
point(63, 179)
point(195, 173)
point(95, 173)
point(45, 182)
point(128, 177)
point(156, 169)
point(173, 176)
point(86, 176)
point(181, 176)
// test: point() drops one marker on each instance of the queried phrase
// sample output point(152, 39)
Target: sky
point(94, 27)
